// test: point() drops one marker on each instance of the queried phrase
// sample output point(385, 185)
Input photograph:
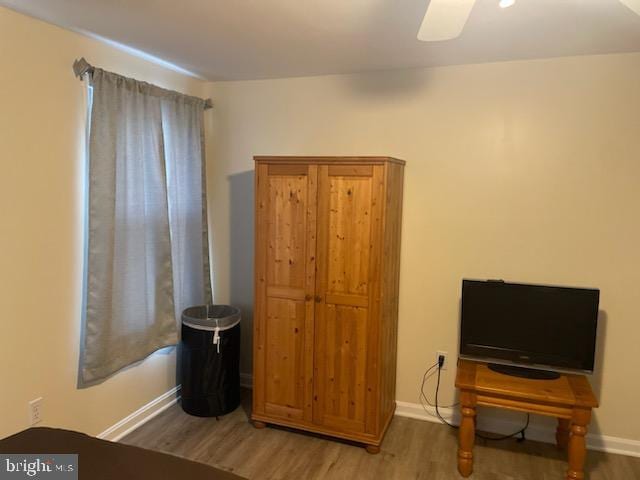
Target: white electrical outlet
point(35, 411)
point(446, 359)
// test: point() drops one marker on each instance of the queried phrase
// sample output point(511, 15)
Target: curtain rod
point(81, 66)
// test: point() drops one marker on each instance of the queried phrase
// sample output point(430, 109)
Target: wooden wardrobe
point(326, 294)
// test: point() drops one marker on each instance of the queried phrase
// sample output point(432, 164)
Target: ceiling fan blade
point(632, 5)
point(445, 19)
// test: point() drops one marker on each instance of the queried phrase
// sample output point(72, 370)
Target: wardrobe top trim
point(326, 160)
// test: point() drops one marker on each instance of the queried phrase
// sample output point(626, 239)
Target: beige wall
point(42, 119)
point(527, 171)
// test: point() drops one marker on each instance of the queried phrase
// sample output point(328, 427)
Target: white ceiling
point(250, 39)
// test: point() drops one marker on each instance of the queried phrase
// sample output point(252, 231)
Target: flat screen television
point(529, 330)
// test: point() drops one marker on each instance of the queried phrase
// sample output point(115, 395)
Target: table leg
point(577, 444)
point(466, 440)
point(562, 433)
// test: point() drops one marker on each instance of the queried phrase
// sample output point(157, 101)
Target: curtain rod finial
point(80, 67)
point(208, 104)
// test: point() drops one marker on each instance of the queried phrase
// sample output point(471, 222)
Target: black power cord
point(423, 395)
point(520, 432)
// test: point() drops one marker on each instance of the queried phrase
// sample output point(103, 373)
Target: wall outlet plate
point(35, 411)
point(446, 359)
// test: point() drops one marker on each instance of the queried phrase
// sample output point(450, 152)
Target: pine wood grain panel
point(394, 181)
point(374, 353)
point(287, 230)
point(349, 239)
point(343, 369)
point(352, 300)
point(351, 170)
point(260, 287)
point(310, 288)
point(286, 292)
point(296, 169)
point(285, 269)
point(285, 376)
point(286, 237)
point(322, 242)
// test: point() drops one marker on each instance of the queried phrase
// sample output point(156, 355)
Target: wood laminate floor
point(412, 449)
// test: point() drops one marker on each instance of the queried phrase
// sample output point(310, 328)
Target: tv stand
point(568, 398)
point(523, 372)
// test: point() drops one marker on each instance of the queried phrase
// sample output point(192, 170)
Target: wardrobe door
point(350, 203)
point(285, 287)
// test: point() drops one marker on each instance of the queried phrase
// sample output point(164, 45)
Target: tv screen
point(529, 325)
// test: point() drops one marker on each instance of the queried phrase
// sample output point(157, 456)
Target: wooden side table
point(568, 398)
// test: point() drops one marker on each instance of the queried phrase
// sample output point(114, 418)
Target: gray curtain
point(187, 209)
point(147, 255)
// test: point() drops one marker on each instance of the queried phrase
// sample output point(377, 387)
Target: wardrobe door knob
point(308, 297)
point(318, 298)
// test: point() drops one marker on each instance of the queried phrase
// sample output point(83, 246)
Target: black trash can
point(210, 360)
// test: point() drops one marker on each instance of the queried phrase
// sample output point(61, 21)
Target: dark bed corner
point(102, 459)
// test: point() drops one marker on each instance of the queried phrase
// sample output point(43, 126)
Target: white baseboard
point(141, 416)
point(603, 443)
point(152, 409)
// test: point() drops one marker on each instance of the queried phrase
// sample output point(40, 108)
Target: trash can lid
point(208, 317)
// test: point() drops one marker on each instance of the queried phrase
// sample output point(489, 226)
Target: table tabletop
point(571, 390)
